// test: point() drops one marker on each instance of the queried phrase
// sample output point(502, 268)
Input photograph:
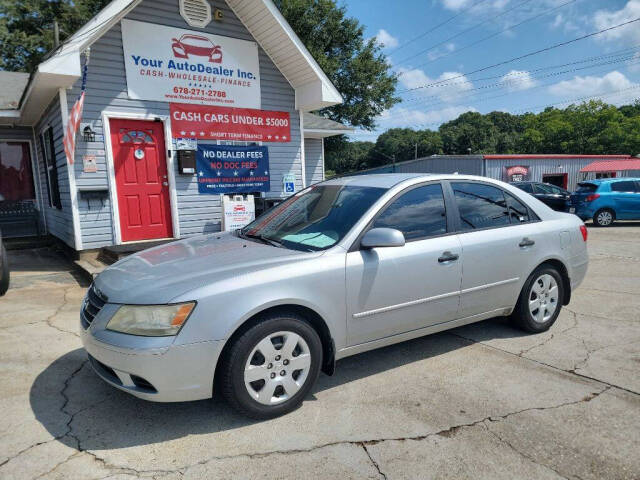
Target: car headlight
point(151, 320)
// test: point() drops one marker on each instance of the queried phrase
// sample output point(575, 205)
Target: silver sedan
point(345, 266)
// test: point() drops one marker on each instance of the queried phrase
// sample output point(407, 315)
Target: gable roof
point(62, 68)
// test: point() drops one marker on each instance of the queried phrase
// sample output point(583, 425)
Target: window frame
point(355, 246)
point(50, 167)
point(533, 217)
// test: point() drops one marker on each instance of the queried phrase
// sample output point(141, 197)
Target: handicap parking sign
point(289, 183)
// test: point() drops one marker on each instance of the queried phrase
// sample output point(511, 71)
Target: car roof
point(389, 180)
point(600, 181)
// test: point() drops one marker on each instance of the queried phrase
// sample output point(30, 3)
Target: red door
point(141, 179)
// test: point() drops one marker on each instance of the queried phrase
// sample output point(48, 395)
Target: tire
point(539, 286)
point(4, 271)
point(258, 376)
point(604, 217)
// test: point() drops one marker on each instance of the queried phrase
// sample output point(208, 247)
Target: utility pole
point(56, 34)
point(416, 154)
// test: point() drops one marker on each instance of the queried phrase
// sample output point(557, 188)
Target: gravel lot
point(482, 401)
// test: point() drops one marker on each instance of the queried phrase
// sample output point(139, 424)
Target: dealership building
point(562, 170)
point(183, 102)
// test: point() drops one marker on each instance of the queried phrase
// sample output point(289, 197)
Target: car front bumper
point(174, 373)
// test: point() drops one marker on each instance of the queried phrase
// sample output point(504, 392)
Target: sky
point(435, 46)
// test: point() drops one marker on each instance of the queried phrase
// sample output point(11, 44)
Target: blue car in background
point(607, 200)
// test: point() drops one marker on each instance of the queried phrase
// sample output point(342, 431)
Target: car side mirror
point(382, 237)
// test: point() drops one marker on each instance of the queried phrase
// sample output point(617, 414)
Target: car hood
point(160, 274)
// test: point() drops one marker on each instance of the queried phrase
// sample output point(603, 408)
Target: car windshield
point(315, 219)
point(586, 188)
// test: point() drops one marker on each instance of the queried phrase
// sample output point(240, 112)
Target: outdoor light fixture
point(88, 135)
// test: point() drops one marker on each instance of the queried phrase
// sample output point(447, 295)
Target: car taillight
point(583, 231)
point(592, 197)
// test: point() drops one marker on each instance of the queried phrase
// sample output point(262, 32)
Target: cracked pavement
point(480, 401)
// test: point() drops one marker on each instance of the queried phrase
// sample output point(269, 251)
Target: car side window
point(625, 186)
point(526, 187)
point(418, 213)
point(480, 205)
point(518, 212)
point(542, 188)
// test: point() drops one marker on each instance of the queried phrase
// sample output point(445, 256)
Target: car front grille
point(93, 303)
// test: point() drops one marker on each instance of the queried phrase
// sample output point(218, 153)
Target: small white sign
point(237, 212)
point(170, 64)
point(186, 143)
point(289, 184)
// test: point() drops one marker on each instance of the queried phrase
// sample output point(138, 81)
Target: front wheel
point(271, 367)
point(540, 301)
point(604, 217)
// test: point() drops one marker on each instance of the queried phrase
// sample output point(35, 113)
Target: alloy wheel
point(277, 367)
point(543, 298)
point(605, 218)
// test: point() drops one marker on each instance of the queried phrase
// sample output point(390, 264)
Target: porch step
point(26, 243)
point(91, 266)
point(112, 254)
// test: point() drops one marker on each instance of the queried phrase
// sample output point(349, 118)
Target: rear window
point(586, 188)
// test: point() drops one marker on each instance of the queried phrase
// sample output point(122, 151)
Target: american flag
point(72, 126)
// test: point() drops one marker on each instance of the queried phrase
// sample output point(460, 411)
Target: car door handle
point(526, 242)
point(448, 257)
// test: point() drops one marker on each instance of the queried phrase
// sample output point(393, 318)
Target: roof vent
point(196, 13)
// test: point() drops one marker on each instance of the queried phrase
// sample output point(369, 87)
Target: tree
point(404, 144)
point(356, 66)
point(342, 156)
point(26, 28)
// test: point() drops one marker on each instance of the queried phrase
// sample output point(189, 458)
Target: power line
point(565, 102)
point(473, 44)
point(625, 53)
point(485, 99)
point(487, 20)
point(530, 54)
point(422, 101)
point(441, 24)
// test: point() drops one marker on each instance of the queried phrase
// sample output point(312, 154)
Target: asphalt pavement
point(481, 401)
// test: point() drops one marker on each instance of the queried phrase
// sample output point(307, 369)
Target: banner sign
point(232, 169)
point(227, 123)
point(516, 173)
point(170, 64)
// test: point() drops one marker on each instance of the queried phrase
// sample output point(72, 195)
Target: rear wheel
point(540, 301)
point(604, 217)
point(4, 271)
point(272, 366)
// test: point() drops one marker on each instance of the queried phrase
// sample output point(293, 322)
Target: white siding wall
point(313, 160)
point(107, 90)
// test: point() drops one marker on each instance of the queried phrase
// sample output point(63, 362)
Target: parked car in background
point(607, 200)
point(555, 197)
point(4, 269)
point(342, 267)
